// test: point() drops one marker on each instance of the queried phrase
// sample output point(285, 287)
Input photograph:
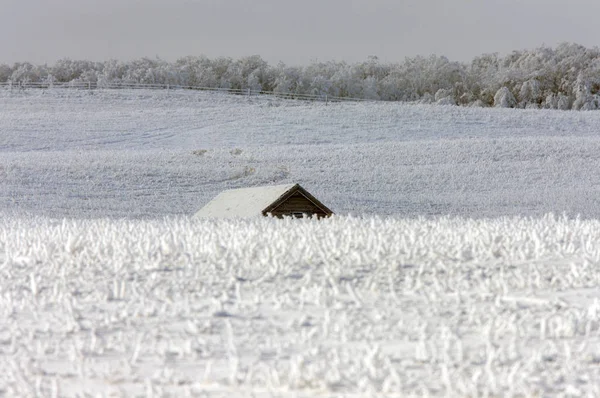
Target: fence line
point(78, 85)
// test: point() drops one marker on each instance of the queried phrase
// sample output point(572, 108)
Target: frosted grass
point(346, 306)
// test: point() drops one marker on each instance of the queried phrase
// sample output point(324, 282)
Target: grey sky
point(295, 32)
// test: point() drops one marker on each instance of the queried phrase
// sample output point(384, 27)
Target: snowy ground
point(129, 296)
point(343, 307)
point(147, 154)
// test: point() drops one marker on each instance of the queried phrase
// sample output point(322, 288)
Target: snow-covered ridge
point(445, 306)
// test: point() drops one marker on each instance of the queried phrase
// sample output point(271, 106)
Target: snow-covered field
point(446, 279)
point(343, 307)
point(151, 153)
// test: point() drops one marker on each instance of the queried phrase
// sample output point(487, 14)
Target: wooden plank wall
point(297, 203)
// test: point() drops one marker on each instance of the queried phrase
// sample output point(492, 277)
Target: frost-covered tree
point(142, 71)
point(444, 97)
point(320, 86)
point(565, 77)
point(530, 94)
point(112, 72)
point(504, 99)
point(345, 82)
point(393, 88)
point(327, 78)
point(481, 75)
point(584, 99)
point(66, 70)
point(282, 83)
point(289, 80)
point(563, 102)
point(369, 88)
point(88, 76)
point(254, 83)
point(5, 73)
point(238, 74)
point(28, 73)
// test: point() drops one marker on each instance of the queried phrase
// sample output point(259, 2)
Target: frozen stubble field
point(129, 296)
point(341, 307)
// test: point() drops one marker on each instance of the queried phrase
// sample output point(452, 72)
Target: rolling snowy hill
point(441, 273)
point(143, 153)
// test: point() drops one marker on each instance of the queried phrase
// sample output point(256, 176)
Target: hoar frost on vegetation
point(565, 77)
point(345, 306)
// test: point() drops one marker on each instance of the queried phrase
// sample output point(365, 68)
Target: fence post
point(248, 91)
point(326, 100)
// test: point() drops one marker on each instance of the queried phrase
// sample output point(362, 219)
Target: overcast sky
point(295, 32)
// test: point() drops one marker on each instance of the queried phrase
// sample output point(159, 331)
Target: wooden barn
point(278, 201)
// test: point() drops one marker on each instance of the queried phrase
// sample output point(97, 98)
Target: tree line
point(565, 77)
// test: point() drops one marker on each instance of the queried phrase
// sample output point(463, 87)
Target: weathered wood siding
point(296, 205)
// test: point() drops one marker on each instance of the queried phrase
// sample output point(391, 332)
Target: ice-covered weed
point(362, 305)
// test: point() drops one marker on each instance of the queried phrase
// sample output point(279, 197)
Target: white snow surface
point(143, 154)
point(243, 202)
point(345, 306)
point(449, 279)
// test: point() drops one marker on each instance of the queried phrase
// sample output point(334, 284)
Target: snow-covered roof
point(244, 202)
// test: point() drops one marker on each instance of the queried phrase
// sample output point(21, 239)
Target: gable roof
point(253, 202)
